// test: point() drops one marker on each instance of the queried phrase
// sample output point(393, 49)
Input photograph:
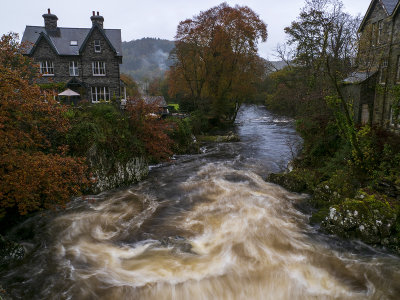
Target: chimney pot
point(50, 21)
point(97, 19)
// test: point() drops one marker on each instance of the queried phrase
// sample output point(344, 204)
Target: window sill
point(48, 75)
point(99, 75)
point(101, 101)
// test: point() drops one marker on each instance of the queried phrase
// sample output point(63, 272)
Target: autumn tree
point(150, 129)
point(216, 62)
point(35, 171)
point(132, 89)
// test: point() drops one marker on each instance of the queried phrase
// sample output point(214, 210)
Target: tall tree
point(326, 39)
point(324, 36)
point(35, 171)
point(216, 61)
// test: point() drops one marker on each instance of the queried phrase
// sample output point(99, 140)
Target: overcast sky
point(152, 18)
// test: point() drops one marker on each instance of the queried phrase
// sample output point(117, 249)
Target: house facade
point(87, 60)
point(375, 87)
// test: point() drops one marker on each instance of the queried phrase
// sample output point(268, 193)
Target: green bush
point(105, 128)
point(199, 122)
point(182, 135)
point(339, 186)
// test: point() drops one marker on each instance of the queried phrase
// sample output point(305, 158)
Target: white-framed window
point(47, 68)
point(380, 31)
point(73, 68)
point(100, 93)
point(99, 68)
point(373, 34)
point(364, 114)
point(74, 43)
point(398, 69)
point(394, 117)
point(97, 46)
point(383, 72)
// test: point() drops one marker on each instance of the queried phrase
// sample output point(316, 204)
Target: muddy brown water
point(202, 226)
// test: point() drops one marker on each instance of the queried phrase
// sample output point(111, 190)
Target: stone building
point(375, 86)
point(87, 60)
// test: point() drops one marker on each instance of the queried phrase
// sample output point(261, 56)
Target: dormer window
point(74, 43)
point(47, 68)
point(97, 47)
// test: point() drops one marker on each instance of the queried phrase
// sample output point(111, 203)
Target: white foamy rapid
point(203, 226)
point(242, 239)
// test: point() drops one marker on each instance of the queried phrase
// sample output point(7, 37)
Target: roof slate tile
point(63, 36)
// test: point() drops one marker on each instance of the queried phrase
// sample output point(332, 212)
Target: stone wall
point(112, 78)
point(44, 51)
point(109, 172)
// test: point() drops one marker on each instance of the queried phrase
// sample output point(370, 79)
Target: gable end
point(371, 8)
point(47, 39)
point(84, 44)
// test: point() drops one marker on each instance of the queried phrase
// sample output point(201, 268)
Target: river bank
point(347, 199)
point(203, 226)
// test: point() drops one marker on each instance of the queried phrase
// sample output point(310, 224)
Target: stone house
point(375, 87)
point(87, 60)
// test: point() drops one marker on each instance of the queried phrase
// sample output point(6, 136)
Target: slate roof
point(358, 77)
point(62, 38)
point(389, 5)
point(160, 100)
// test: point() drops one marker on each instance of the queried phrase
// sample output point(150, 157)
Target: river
point(202, 226)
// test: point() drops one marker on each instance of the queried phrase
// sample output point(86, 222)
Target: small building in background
point(158, 100)
point(374, 88)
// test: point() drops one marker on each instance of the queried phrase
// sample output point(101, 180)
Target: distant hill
point(273, 66)
point(146, 58)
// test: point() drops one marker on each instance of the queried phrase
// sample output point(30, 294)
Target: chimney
point(50, 21)
point(97, 19)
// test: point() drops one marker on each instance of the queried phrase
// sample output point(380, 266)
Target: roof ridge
point(88, 28)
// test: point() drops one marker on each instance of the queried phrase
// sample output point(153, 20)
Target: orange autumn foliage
point(35, 171)
point(150, 129)
point(216, 61)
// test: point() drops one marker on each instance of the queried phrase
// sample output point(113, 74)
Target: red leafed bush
point(150, 129)
point(35, 171)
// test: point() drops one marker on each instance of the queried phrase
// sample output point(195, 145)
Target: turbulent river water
point(202, 226)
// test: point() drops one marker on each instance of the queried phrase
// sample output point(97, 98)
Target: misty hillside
point(146, 58)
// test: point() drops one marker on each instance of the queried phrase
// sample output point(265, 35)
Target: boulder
point(289, 181)
point(365, 217)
